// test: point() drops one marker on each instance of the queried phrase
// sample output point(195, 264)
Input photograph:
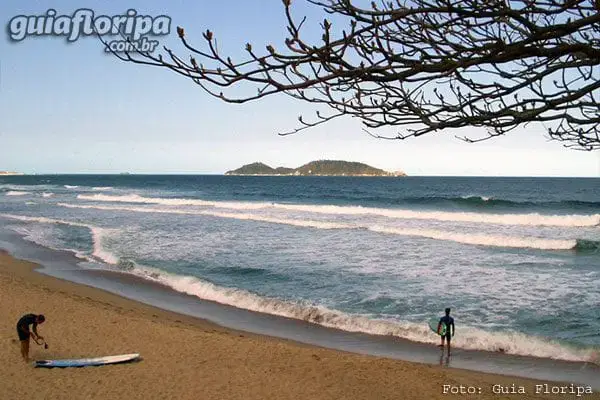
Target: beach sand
point(188, 358)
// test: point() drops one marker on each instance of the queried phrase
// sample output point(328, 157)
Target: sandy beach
point(188, 358)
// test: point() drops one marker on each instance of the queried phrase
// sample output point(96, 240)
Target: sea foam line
point(31, 237)
point(98, 236)
point(531, 219)
point(44, 220)
point(469, 338)
point(464, 238)
point(16, 193)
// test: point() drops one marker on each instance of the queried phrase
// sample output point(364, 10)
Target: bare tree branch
point(427, 65)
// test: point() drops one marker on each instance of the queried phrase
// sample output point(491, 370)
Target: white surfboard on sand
point(86, 362)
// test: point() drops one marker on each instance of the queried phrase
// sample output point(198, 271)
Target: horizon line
point(299, 176)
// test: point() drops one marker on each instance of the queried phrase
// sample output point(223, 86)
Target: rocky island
point(315, 168)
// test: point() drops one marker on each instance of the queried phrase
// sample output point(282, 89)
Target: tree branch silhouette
point(425, 65)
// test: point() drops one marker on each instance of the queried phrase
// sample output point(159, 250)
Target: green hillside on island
point(315, 168)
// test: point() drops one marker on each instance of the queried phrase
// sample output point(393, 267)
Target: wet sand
point(189, 358)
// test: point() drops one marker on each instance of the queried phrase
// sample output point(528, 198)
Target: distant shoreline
point(134, 174)
point(8, 173)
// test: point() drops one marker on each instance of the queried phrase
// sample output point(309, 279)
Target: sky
point(72, 108)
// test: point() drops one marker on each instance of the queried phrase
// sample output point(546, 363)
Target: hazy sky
point(71, 108)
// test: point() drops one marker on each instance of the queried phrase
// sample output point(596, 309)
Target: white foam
point(71, 186)
point(48, 194)
point(465, 238)
point(482, 240)
point(482, 198)
point(42, 240)
point(16, 193)
point(469, 338)
point(98, 235)
point(43, 220)
point(102, 188)
point(31, 235)
point(531, 219)
point(135, 198)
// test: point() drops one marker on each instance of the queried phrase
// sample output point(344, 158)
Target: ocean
point(517, 259)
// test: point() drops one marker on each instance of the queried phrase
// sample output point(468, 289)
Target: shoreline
point(68, 266)
point(331, 373)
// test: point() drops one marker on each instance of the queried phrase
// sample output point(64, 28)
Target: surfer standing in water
point(448, 321)
point(24, 332)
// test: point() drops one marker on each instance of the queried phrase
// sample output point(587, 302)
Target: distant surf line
point(464, 238)
point(531, 219)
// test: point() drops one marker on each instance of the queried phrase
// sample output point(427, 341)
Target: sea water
point(517, 259)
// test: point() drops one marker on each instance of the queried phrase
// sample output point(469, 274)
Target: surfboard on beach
point(86, 362)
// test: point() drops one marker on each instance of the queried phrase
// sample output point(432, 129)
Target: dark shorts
point(22, 335)
point(448, 336)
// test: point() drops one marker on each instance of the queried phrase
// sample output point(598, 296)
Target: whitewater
point(374, 256)
point(470, 338)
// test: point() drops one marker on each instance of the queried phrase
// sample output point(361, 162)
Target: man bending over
point(24, 332)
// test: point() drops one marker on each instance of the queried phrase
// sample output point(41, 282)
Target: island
point(315, 168)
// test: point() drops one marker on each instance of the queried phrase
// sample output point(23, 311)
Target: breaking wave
point(532, 219)
point(464, 238)
point(490, 202)
point(98, 236)
point(471, 338)
point(43, 220)
point(588, 245)
point(477, 199)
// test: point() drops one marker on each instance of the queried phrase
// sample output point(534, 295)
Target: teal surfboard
point(433, 324)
